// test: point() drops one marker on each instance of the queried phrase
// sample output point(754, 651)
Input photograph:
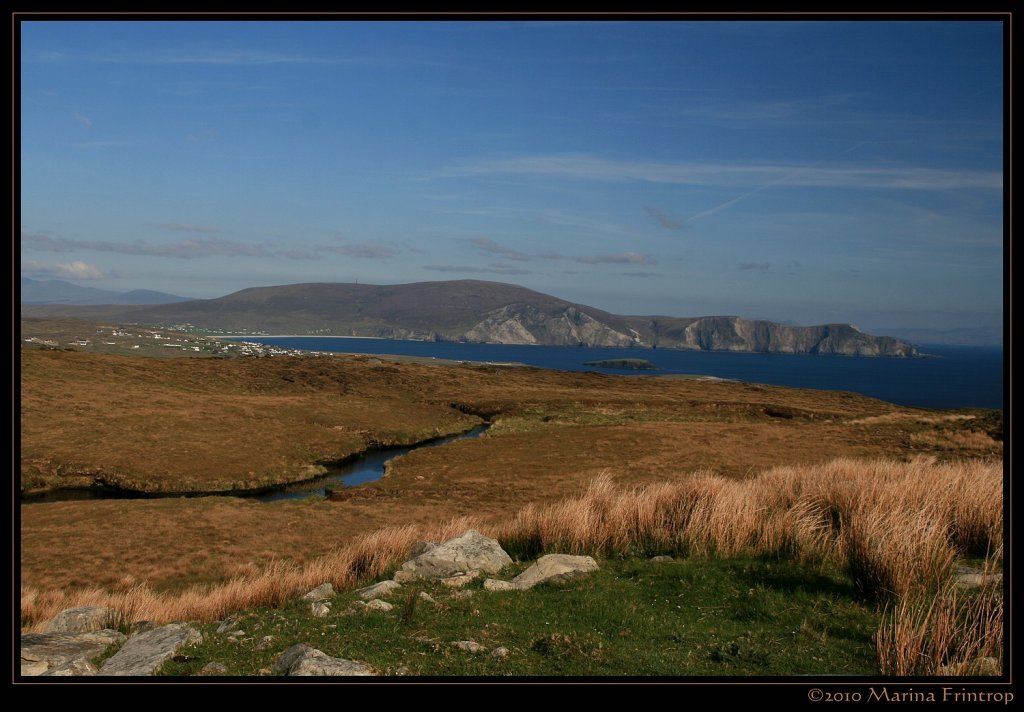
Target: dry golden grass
point(951, 633)
point(890, 523)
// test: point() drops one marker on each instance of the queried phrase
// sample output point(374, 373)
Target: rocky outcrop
point(43, 652)
point(553, 568)
point(320, 593)
point(378, 589)
point(144, 653)
point(80, 620)
point(472, 550)
point(304, 660)
point(524, 323)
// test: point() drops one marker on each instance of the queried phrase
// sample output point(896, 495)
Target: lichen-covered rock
point(320, 593)
point(306, 661)
point(470, 646)
point(41, 652)
point(80, 620)
point(471, 550)
point(379, 605)
point(499, 585)
point(144, 653)
point(461, 580)
point(555, 568)
point(378, 589)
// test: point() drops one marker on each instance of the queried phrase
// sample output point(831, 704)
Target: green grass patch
point(632, 618)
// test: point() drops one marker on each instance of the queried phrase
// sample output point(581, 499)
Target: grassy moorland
point(887, 495)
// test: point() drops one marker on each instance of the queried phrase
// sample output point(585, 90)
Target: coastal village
point(176, 340)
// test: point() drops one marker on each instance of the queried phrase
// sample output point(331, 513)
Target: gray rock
point(320, 593)
point(499, 585)
point(306, 661)
point(142, 627)
point(461, 579)
point(379, 605)
point(214, 668)
point(424, 596)
point(265, 642)
point(976, 578)
point(662, 559)
point(80, 620)
point(470, 646)
point(471, 550)
point(378, 589)
point(500, 652)
point(72, 668)
point(462, 595)
point(421, 547)
point(42, 651)
point(555, 568)
point(318, 609)
point(144, 653)
point(403, 576)
point(227, 625)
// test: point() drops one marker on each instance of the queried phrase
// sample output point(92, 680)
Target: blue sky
point(805, 171)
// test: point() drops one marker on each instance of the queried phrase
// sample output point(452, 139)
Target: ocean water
point(956, 377)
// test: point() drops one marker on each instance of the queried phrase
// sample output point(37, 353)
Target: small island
point(632, 364)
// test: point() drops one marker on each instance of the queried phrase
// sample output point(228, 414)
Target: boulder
point(144, 653)
point(554, 568)
point(427, 598)
point(499, 585)
point(306, 661)
point(379, 605)
point(461, 579)
point(500, 652)
point(378, 589)
point(227, 625)
point(403, 576)
point(968, 577)
point(319, 609)
point(662, 559)
point(320, 593)
point(80, 620)
point(73, 668)
point(214, 668)
point(471, 550)
point(41, 652)
point(470, 646)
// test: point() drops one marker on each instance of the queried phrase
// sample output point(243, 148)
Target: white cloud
point(62, 270)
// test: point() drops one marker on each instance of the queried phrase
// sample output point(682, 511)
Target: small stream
point(367, 468)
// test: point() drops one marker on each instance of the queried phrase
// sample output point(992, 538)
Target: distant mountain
point(970, 336)
point(56, 291)
point(478, 311)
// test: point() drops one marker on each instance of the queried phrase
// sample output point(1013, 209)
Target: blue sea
point(956, 376)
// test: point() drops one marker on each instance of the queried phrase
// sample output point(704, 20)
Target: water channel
point(368, 467)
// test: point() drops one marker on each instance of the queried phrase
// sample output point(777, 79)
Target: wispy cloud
point(367, 251)
point(184, 227)
point(753, 265)
point(489, 246)
point(626, 258)
point(82, 119)
point(203, 247)
point(851, 175)
point(62, 270)
point(187, 249)
point(476, 270)
point(111, 143)
point(666, 221)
